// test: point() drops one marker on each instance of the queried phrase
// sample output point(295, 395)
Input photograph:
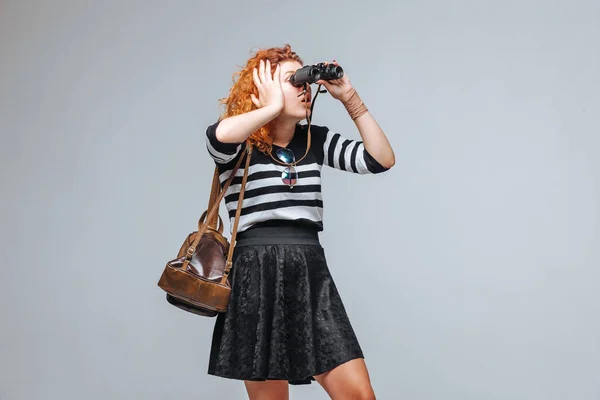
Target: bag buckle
point(190, 251)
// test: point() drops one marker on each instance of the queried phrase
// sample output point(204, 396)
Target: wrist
point(354, 104)
point(347, 96)
point(273, 110)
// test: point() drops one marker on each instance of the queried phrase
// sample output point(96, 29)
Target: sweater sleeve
point(221, 152)
point(348, 155)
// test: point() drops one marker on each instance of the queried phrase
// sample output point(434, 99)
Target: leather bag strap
point(214, 193)
point(214, 210)
point(236, 221)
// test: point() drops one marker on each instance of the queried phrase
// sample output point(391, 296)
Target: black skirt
point(285, 318)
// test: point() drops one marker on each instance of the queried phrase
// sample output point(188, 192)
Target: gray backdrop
point(470, 270)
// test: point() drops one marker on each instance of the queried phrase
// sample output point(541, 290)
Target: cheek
point(290, 93)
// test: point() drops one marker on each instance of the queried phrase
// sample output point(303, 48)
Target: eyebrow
point(289, 72)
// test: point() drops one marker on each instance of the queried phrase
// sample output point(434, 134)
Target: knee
point(364, 393)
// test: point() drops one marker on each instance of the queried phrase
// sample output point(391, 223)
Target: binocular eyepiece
point(312, 73)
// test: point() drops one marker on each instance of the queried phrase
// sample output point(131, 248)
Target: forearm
point(375, 141)
point(238, 128)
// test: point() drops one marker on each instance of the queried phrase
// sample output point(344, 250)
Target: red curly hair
point(239, 100)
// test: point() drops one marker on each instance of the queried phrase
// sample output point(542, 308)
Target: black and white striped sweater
point(266, 197)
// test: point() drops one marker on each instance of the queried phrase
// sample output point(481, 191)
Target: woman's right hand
point(270, 93)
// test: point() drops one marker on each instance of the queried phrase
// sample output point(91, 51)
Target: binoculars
point(312, 73)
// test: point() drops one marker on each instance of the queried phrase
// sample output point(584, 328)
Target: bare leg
point(267, 390)
point(348, 381)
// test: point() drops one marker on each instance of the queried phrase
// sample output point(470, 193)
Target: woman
point(286, 323)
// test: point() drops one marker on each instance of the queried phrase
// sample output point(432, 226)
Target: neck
point(284, 132)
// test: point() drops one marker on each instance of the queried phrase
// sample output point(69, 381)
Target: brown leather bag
point(197, 280)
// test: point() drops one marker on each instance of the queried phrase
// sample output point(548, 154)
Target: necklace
point(294, 162)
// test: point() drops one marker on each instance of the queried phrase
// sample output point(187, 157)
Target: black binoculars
point(312, 73)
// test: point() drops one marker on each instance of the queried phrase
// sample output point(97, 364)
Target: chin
point(297, 115)
point(303, 113)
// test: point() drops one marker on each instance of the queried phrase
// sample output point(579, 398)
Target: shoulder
point(318, 137)
point(314, 128)
point(318, 133)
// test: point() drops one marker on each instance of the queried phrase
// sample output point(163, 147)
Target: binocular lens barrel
point(307, 74)
point(337, 72)
point(312, 73)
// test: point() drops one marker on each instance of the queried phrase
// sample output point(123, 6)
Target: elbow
point(220, 135)
point(380, 164)
point(390, 163)
point(224, 134)
point(228, 134)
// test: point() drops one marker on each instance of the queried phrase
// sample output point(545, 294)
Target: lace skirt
point(285, 318)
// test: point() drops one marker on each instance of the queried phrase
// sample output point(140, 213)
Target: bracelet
point(355, 106)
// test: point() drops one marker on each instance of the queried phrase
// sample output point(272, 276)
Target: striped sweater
point(266, 197)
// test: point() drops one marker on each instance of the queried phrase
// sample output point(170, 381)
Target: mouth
point(306, 97)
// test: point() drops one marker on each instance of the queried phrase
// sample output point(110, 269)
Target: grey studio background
point(470, 270)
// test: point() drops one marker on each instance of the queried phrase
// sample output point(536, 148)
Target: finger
point(261, 71)
point(278, 74)
point(327, 82)
point(255, 77)
point(254, 100)
point(268, 75)
point(257, 81)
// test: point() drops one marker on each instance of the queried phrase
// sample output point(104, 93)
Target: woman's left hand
point(339, 89)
